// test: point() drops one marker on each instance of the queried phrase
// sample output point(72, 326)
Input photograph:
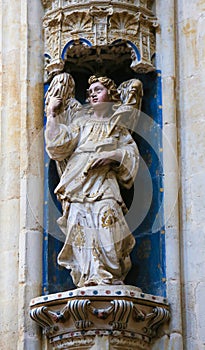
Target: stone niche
point(81, 33)
point(101, 317)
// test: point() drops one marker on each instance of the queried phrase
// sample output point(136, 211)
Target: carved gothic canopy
point(89, 31)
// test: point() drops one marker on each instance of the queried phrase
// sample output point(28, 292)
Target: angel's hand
point(54, 105)
point(107, 158)
point(101, 162)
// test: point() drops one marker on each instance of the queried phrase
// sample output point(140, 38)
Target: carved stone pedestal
point(101, 317)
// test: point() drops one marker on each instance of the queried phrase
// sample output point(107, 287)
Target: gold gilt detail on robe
point(96, 250)
point(109, 218)
point(78, 236)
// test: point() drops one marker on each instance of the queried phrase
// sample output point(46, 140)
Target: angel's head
point(102, 89)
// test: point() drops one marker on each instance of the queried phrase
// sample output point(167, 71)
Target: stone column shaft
point(191, 70)
point(167, 62)
point(21, 96)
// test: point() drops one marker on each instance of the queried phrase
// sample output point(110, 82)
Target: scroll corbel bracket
point(45, 318)
point(122, 311)
point(78, 311)
point(155, 319)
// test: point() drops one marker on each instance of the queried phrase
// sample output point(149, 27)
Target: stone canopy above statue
point(91, 31)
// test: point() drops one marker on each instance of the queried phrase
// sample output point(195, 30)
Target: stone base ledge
point(120, 316)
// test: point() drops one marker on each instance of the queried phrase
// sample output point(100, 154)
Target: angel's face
point(98, 94)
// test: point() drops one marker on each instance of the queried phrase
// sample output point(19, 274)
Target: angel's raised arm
point(60, 98)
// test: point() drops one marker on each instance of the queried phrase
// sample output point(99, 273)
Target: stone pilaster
point(166, 63)
point(21, 116)
point(10, 171)
point(191, 87)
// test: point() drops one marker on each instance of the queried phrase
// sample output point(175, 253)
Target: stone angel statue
point(96, 154)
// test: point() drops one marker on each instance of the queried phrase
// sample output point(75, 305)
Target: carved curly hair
point(109, 84)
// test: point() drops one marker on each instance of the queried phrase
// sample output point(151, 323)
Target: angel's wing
point(131, 93)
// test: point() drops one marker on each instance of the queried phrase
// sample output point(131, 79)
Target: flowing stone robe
point(98, 240)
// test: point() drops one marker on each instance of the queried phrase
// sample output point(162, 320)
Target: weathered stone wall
point(10, 171)
point(21, 96)
point(180, 57)
point(191, 126)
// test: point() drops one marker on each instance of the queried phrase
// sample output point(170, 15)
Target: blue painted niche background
point(148, 256)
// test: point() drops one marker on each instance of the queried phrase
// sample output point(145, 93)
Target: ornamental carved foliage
point(124, 23)
point(52, 42)
point(77, 23)
point(53, 27)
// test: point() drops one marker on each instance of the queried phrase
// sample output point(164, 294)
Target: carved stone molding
point(93, 24)
point(121, 316)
